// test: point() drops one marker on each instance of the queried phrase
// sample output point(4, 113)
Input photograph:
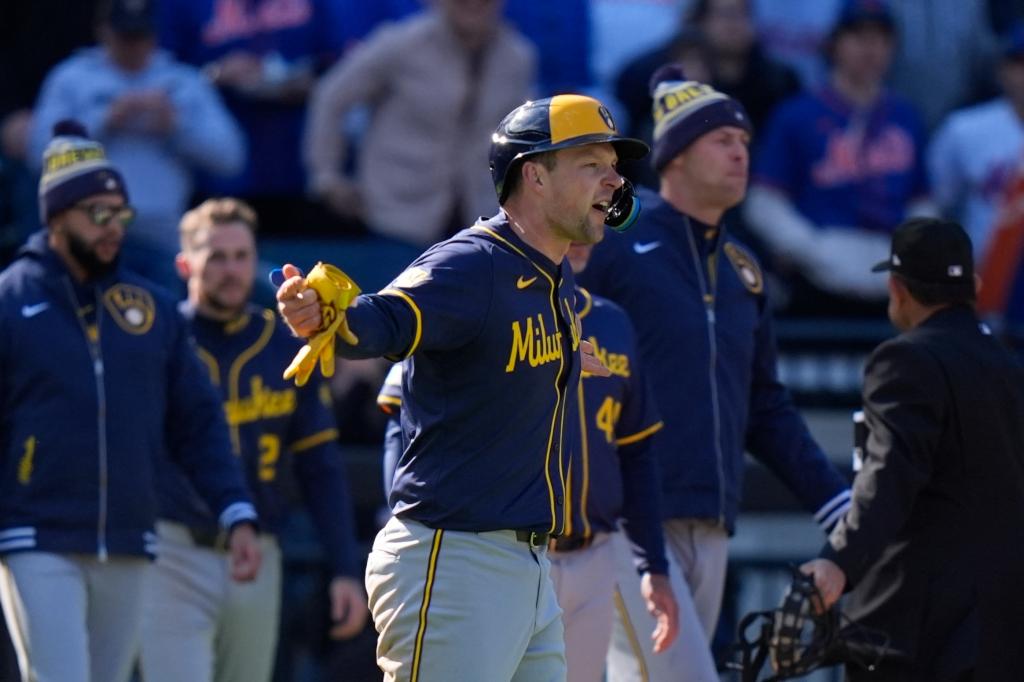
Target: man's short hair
point(930, 294)
point(214, 212)
point(515, 177)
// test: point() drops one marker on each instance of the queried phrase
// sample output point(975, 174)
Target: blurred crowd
point(343, 119)
point(338, 118)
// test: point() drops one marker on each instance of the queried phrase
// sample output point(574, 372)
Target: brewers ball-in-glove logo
point(746, 267)
point(131, 307)
point(336, 291)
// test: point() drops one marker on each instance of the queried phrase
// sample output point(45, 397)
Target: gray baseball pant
point(199, 624)
point(585, 584)
point(698, 556)
point(455, 605)
point(78, 617)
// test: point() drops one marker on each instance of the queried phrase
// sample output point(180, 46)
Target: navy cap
point(855, 13)
point(130, 17)
point(932, 251)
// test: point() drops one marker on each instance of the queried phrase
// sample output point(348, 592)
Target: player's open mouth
point(602, 206)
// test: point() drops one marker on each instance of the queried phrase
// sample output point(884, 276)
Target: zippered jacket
point(696, 298)
point(97, 381)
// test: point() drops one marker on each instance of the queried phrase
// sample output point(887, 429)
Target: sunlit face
point(222, 266)
point(579, 255)
point(579, 190)
point(91, 231)
point(718, 165)
point(864, 53)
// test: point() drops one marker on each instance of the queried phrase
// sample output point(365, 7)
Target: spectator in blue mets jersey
point(99, 383)
point(199, 625)
point(613, 475)
point(706, 340)
point(458, 580)
point(837, 170)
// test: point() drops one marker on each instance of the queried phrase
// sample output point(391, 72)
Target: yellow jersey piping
point(650, 430)
point(325, 436)
point(416, 311)
point(236, 370)
point(559, 401)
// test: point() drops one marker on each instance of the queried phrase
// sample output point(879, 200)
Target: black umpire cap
point(933, 252)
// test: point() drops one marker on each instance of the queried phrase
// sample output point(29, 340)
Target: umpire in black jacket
point(932, 549)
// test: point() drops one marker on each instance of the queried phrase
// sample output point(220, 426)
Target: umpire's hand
point(828, 578)
point(297, 303)
point(348, 608)
point(244, 548)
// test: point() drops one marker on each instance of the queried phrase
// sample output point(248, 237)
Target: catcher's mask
point(558, 123)
point(800, 636)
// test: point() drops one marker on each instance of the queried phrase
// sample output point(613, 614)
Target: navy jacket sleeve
point(641, 489)
point(777, 435)
point(198, 435)
point(439, 302)
point(320, 471)
point(904, 418)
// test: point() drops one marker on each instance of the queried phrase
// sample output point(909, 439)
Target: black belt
point(209, 538)
point(570, 543)
point(533, 538)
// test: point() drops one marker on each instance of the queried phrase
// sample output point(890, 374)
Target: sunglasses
point(101, 215)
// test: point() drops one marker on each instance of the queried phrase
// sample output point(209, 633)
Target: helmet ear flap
point(624, 209)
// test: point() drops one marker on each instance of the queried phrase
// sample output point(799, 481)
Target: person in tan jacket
point(436, 84)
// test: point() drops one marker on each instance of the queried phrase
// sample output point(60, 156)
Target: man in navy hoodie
point(98, 380)
point(704, 329)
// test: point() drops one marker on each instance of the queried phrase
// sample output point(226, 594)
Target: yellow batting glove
point(316, 347)
point(336, 291)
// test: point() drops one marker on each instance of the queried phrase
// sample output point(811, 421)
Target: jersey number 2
point(270, 452)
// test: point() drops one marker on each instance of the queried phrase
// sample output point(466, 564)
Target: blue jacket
point(696, 297)
point(272, 426)
point(488, 325)
point(97, 383)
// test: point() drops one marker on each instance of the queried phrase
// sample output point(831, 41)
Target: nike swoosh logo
point(33, 310)
point(523, 283)
point(644, 248)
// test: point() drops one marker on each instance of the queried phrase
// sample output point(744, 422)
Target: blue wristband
point(277, 276)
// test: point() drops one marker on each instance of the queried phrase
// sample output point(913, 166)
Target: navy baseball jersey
point(614, 471)
point(390, 402)
point(843, 167)
point(491, 336)
point(272, 424)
